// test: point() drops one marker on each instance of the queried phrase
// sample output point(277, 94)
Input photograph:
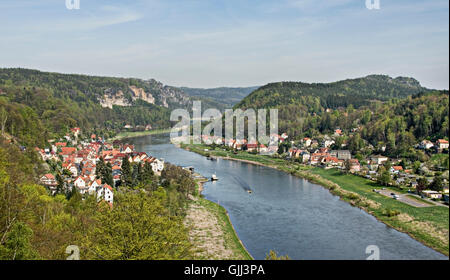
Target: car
point(392, 193)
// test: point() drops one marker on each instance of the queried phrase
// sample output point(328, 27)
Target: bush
point(390, 213)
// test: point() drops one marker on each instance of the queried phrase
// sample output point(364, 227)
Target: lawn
point(428, 225)
point(437, 214)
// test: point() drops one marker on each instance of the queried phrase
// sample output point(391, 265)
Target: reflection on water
point(288, 214)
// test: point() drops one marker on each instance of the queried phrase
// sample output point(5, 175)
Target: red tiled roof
point(68, 150)
point(49, 176)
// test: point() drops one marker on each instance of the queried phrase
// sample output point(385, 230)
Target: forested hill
point(397, 124)
point(37, 105)
point(221, 97)
point(98, 89)
point(318, 96)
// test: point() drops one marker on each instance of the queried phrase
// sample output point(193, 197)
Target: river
point(288, 214)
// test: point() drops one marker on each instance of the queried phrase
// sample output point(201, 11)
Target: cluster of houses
point(319, 153)
point(242, 144)
point(78, 160)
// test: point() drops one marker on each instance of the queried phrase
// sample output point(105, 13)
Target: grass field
point(429, 225)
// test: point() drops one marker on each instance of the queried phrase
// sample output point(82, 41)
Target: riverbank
point(131, 134)
point(210, 228)
point(428, 225)
point(211, 231)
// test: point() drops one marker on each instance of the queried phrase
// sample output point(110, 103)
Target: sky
point(211, 43)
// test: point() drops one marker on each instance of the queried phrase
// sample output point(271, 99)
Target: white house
point(48, 180)
point(94, 185)
point(106, 193)
point(432, 194)
point(328, 143)
point(307, 142)
point(442, 144)
point(80, 183)
point(426, 144)
point(378, 159)
point(73, 169)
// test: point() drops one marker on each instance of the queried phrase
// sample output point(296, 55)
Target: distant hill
point(374, 111)
point(220, 98)
point(317, 96)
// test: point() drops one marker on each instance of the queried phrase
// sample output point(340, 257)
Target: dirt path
point(206, 233)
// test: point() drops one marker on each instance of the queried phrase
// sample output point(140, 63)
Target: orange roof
point(331, 159)
point(68, 150)
point(397, 168)
point(61, 144)
point(442, 141)
point(49, 176)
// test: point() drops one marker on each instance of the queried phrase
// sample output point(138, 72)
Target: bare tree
point(3, 119)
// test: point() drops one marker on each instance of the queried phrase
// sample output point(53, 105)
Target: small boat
point(249, 191)
point(214, 177)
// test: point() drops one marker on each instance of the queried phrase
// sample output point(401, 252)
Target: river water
point(288, 214)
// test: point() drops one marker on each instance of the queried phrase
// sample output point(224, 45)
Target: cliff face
point(168, 96)
point(139, 93)
point(153, 92)
point(112, 97)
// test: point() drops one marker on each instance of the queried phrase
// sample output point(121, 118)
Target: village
point(77, 160)
point(424, 179)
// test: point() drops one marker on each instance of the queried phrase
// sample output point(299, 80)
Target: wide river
point(288, 214)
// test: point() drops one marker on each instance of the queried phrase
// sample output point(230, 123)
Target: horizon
point(223, 86)
point(203, 44)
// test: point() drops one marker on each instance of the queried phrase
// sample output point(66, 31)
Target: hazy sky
point(229, 42)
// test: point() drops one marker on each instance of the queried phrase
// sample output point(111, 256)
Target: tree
point(107, 177)
point(147, 173)
point(3, 119)
point(138, 227)
point(347, 166)
point(422, 185)
point(384, 177)
point(17, 245)
point(60, 186)
point(127, 176)
point(273, 256)
point(437, 184)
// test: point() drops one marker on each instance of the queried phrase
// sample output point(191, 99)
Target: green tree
point(138, 227)
point(127, 175)
point(272, 255)
point(17, 245)
point(60, 182)
point(384, 177)
point(422, 184)
point(437, 184)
